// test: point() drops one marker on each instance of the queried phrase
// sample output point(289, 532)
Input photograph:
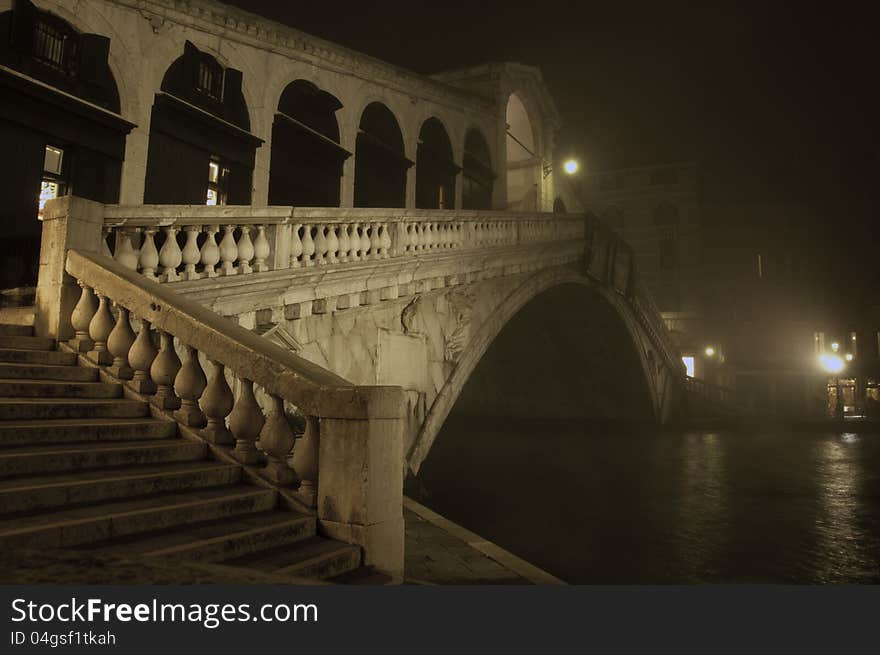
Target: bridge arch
point(487, 333)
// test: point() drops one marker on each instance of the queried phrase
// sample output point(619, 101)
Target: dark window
point(55, 44)
point(666, 246)
point(210, 80)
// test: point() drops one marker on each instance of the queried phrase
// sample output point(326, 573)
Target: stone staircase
point(84, 467)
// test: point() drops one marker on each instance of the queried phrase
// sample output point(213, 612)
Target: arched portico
point(307, 159)
point(380, 160)
point(201, 150)
point(436, 170)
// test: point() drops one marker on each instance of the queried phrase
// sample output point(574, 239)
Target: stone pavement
point(440, 552)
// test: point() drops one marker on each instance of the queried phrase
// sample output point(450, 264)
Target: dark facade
point(59, 125)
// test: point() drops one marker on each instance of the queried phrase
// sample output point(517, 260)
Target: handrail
point(175, 242)
point(310, 387)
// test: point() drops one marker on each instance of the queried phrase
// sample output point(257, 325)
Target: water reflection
point(594, 506)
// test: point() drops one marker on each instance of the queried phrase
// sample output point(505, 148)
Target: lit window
point(53, 160)
point(689, 365)
point(52, 185)
point(218, 177)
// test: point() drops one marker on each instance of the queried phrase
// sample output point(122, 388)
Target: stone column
point(360, 482)
point(134, 168)
point(68, 223)
point(260, 195)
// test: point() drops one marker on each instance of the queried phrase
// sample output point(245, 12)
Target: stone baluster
point(384, 241)
point(245, 423)
point(216, 403)
point(320, 245)
point(245, 250)
point(332, 244)
point(210, 253)
point(163, 370)
point(228, 252)
point(308, 246)
point(190, 256)
point(375, 241)
point(170, 256)
point(141, 357)
point(189, 384)
point(126, 255)
point(261, 250)
point(413, 237)
point(305, 462)
point(81, 318)
point(344, 242)
point(100, 328)
point(355, 253)
point(276, 440)
point(296, 246)
point(119, 343)
point(365, 241)
point(148, 261)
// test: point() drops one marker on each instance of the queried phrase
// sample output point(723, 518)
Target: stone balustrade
point(182, 243)
point(136, 332)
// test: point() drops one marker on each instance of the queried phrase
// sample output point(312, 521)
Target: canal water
point(595, 505)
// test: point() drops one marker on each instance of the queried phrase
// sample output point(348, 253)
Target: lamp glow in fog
point(570, 166)
point(849, 357)
point(831, 363)
point(710, 351)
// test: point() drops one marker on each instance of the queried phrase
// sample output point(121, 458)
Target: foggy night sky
point(744, 87)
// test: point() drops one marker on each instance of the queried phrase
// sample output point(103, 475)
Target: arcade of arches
point(170, 117)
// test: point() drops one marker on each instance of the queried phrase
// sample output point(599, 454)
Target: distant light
point(835, 346)
point(849, 357)
point(689, 365)
point(570, 167)
point(831, 363)
point(710, 351)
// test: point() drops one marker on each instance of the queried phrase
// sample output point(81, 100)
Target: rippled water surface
point(593, 506)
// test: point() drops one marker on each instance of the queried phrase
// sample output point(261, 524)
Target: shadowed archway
point(307, 159)
point(573, 336)
point(380, 160)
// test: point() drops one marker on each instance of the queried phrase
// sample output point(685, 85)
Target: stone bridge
point(412, 298)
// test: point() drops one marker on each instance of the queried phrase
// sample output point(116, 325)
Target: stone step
point(37, 460)
point(316, 557)
point(91, 431)
point(217, 540)
point(27, 343)
point(364, 575)
point(40, 493)
point(11, 330)
point(58, 389)
point(53, 357)
point(47, 372)
point(84, 525)
point(17, 409)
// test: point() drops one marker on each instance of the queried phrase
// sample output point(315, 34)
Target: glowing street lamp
point(570, 166)
point(710, 351)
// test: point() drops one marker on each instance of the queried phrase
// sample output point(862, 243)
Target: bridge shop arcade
point(129, 106)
